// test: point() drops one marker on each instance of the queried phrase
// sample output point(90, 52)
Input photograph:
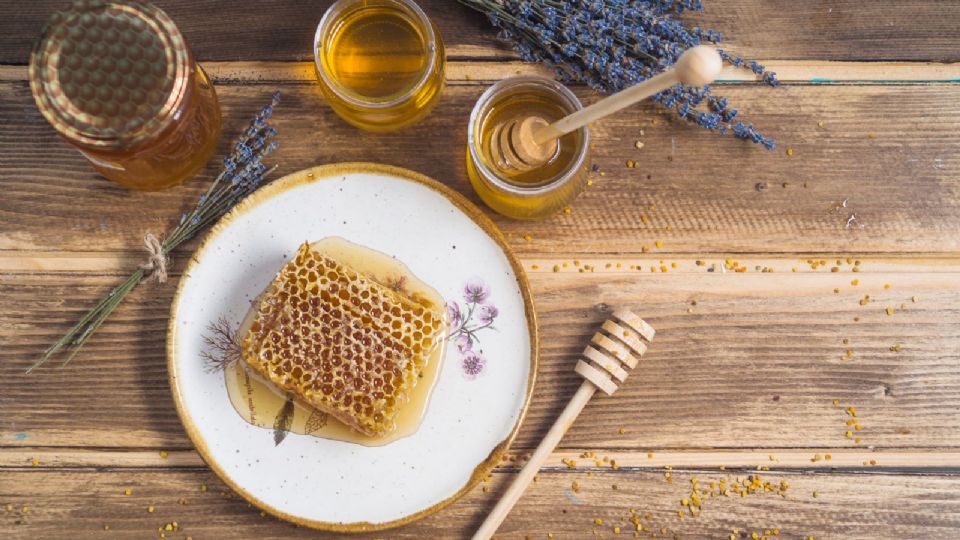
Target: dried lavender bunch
point(613, 44)
point(243, 172)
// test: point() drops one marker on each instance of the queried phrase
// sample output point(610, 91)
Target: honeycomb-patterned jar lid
point(109, 74)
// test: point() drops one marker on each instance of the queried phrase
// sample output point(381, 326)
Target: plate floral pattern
point(467, 322)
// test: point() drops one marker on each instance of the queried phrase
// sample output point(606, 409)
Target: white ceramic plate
point(476, 406)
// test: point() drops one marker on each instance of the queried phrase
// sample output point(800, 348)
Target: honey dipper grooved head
point(615, 350)
point(515, 147)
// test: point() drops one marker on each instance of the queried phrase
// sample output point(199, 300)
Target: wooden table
point(750, 370)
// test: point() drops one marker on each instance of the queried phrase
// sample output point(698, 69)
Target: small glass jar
point(380, 63)
point(117, 81)
point(526, 194)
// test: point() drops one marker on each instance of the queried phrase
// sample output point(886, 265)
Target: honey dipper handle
point(697, 66)
point(547, 445)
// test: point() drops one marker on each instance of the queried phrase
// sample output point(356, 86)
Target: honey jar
point(525, 193)
point(117, 81)
point(380, 63)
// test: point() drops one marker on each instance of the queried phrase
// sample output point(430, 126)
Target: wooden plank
point(887, 150)
point(877, 506)
point(487, 71)
point(816, 29)
point(278, 30)
point(768, 459)
point(120, 263)
point(756, 363)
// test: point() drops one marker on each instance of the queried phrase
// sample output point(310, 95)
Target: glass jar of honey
point(380, 63)
point(117, 81)
point(525, 193)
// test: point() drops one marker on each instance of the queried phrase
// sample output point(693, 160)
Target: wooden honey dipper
point(529, 143)
point(613, 351)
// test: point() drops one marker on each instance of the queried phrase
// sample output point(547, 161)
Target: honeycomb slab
point(341, 341)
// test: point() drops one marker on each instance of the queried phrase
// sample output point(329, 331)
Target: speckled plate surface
point(484, 385)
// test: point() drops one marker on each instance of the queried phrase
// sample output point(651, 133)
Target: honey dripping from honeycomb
point(347, 332)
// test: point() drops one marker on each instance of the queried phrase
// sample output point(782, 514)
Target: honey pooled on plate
point(341, 341)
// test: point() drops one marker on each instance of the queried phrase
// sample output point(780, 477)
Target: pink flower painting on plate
point(477, 313)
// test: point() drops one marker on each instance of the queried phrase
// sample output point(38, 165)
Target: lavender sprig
point(613, 44)
point(243, 172)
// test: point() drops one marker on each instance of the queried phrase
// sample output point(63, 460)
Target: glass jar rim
point(498, 89)
point(327, 20)
point(79, 126)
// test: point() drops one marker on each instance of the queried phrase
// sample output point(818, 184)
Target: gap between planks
point(788, 71)
point(108, 262)
point(775, 459)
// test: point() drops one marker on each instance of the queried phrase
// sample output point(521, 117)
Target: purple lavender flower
point(613, 44)
point(464, 343)
point(473, 364)
point(488, 313)
point(475, 291)
point(454, 316)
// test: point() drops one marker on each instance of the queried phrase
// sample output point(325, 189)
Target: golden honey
point(380, 63)
point(174, 155)
point(259, 400)
point(117, 81)
point(526, 194)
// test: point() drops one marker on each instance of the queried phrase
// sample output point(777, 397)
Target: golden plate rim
point(325, 172)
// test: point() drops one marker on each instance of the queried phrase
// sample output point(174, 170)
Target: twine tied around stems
point(156, 265)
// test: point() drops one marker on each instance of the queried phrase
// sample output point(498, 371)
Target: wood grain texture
point(888, 150)
point(488, 71)
point(814, 29)
point(745, 368)
point(755, 363)
point(79, 503)
point(925, 460)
